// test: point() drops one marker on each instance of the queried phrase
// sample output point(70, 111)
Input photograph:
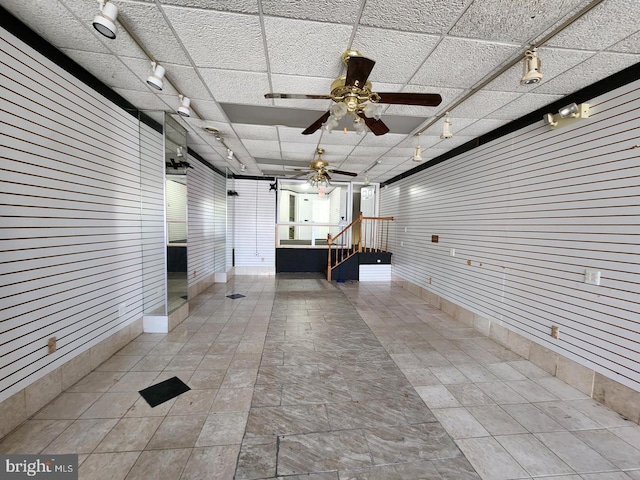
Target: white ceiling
point(226, 54)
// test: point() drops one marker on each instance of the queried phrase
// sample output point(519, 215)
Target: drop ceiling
point(226, 54)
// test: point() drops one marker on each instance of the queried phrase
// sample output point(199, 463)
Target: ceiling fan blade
point(358, 70)
point(378, 127)
point(408, 98)
point(298, 96)
point(316, 125)
point(300, 175)
point(327, 176)
point(340, 172)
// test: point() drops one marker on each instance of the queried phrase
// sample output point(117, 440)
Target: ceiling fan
point(353, 94)
point(319, 171)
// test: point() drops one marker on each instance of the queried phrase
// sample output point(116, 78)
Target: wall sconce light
point(184, 109)
point(155, 79)
point(446, 127)
point(105, 21)
point(567, 115)
point(531, 65)
point(417, 156)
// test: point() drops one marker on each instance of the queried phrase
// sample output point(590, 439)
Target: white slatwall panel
point(153, 225)
point(375, 273)
point(231, 215)
point(254, 223)
point(220, 224)
point(176, 193)
point(70, 263)
point(526, 215)
point(206, 221)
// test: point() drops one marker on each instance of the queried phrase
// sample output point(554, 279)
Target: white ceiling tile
point(388, 140)
point(518, 21)
point(219, 39)
point(528, 102)
point(332, 149)
point(256, 146)
point(339, 138)
point(461, 63)
point(631, 44)
point(143, 100)
point(149, 25)
point(299, 156)
point(186, 80)
point(436, 129)
point(603, 26)
point(336, 11)
point(430, 16)
point(236, 87)
point(142, 69)
point(241, 6)
point(482, 104)
point(256, 132)
point(373, 152)
point(554, 62)
point(287, 147)
point(298, 47)
point(209, 110)
point(56, 24)
point(109, 69)
point(482, 126)
point(595, 68)
point(288, 134)
point(398, 55)
point(451, 143)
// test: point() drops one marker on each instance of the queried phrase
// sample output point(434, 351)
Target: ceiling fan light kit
point(353, 95)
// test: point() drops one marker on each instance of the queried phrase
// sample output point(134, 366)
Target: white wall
point(207, 210)
point(526, 214)
point(70, 235)
point(254, 220)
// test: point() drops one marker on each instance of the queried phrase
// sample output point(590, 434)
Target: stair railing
point(364, 234)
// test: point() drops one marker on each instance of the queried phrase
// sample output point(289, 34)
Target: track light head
point(242, 167)
point(105, 21)
point(570, 110)
point(417, 156)
point(229, 154)
point(549, 120)
point(531, 65)
point(184, 109)
point(446, 127)
point(155, 79)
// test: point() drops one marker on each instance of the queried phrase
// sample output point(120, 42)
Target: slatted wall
point(206, 222)
point(70, 265)
point(220, 224)
point(526, 214)
point(152, 208)
point(254, 223)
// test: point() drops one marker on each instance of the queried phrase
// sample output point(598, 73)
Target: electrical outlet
point(555, 331)
point(52, 345)
point(592, 276)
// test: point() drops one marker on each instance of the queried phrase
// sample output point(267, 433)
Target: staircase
point(365, 235)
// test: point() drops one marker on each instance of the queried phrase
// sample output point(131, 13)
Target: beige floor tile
point(177, 432)
point(67, 406)
point(217, 463)
point(130, 434)
point(107, 466)
point(82, 436)
point(232, 400)
point(160, 464)
point(223, 429)
point(33, 436)
point(111, 405)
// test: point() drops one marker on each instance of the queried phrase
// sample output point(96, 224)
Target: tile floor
point(302, 379)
